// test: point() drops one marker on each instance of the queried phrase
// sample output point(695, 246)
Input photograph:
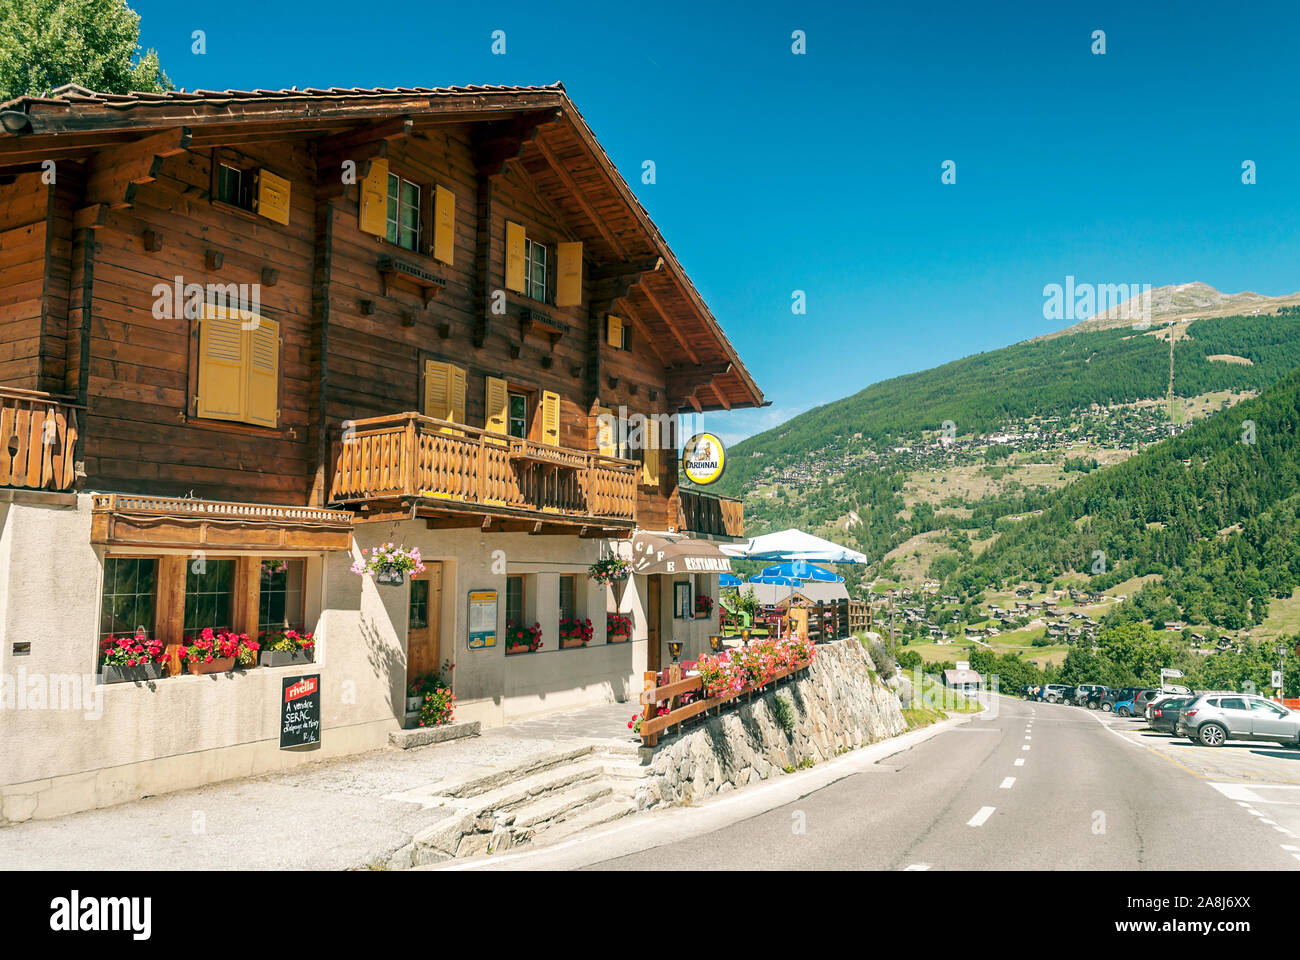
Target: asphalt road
point(1036, 786)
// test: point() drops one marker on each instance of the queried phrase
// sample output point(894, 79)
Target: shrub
point(783, 707)
point(881, 658)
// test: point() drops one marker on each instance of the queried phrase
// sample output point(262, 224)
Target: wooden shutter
point(437, 389)
point(221, 365)
point(272, 197)
point(614, 334)
point(650, 462)
point(374, 198)
point(550, 418)
point(568, 284)
point(444, 225)
point(497, 406)
point(262, 376)
point(606, 434)
point(456, 395)
point(515, 257)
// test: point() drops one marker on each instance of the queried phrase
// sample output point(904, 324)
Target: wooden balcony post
point(409, 449)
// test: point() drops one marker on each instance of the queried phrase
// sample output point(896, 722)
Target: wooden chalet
point(287, 325)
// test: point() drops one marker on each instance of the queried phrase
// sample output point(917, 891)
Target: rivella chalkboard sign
point(300, 712)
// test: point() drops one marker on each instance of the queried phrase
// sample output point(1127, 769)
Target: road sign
point(1170, 672)
point(1277, 679)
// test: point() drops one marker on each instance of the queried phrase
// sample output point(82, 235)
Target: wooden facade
point(113, 208)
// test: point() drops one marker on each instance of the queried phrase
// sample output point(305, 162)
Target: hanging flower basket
point(388, 565)
point(609, 570)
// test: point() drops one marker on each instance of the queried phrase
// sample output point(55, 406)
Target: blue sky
point(822, 172)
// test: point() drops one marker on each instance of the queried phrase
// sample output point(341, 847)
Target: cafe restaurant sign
point(300, 711)
point(703, 459)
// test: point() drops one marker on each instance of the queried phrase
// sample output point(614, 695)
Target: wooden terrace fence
point(38, 439)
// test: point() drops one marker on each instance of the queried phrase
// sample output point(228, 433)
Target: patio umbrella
point(775, 580)
point(802, 570)
point(793, 545)
point(729, 580)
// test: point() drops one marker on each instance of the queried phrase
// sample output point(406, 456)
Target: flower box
point(518, 648)
point(216, 665)
point(284, 658)
point(618, 638)
point(116, 674)
point(413, 704)
point(569, 643)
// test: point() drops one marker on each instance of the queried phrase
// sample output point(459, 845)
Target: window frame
point(523, 598)
point(231, 588)
point(512, 393)
point(300, 623)
point(530, 286)
point(572, 580)
point(103, 594)
point(421, 227)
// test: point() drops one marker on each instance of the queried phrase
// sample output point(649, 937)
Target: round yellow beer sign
point(703, 458)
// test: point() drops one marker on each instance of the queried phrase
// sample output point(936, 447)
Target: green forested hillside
point(1216, 511)
point(1037, 378)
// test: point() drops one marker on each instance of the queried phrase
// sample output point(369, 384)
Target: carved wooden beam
point(117, 173)
point(597, 221)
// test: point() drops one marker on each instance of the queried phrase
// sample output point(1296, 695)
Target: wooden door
point(652, 622)
point(424, 620)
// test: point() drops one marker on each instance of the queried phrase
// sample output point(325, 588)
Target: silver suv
point(1213, 719)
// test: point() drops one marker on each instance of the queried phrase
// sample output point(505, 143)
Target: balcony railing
point(710, 515)
point(38, 438)
point(409, 457)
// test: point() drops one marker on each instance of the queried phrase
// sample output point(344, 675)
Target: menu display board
point(300, 712)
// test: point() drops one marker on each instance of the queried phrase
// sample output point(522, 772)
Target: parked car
point(1162, 713)
point(1067, 695)
point(1089, 695)
point(1112, 697)
point(1212, 720)
point(1136, 704)
point(1054, 693)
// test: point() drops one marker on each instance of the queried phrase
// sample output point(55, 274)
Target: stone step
point(481, 781)
point(555, 807)
point(602, 813)
point(508, 795)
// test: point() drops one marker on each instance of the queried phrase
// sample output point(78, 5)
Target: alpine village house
point(245, 336)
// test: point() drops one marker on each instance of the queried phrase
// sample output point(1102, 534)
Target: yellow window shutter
point(456, 395)
point(437, 389)
point(615, 332)
point(606, 444)
point(221, 365)
point(568, 284)
point(444, 225)
point(374, 198)
point(272, 196)
point(550, 418)
point(262, 355)
point(650, 462)
point(514, 256)
point(497, 417)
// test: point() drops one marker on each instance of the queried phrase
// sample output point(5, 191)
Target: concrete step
point(482, 781)
point(602, 813)
point(557, 806)
point(507, 795)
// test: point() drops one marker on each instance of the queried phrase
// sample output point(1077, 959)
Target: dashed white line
point(917, 866)
point(1025, 747)
point(979, 818)
point(1020, 762)
point(1293, 849)
point(1007, 782)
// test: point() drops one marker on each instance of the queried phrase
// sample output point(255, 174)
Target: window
point(683, 601)
point(238, 367)
point(418, 609)
point(403, 212)
point(208, 594)
point(535, 255)
point(515, 600)
point(568, 596)
point(128, 601)
point(280, 606)
point(1232, 703)
point(1264, 707)
point(234, 186)
point(519, 415)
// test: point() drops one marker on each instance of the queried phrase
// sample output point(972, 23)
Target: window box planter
point(114, 674)
point(284, 658)
point(216, 665)
point(618, 637)
point(570, 643)
point(413, 704)
point(518, 648)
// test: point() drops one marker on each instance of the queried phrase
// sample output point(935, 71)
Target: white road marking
point(1271, 823)
point(917, 866)
point(1007, 782)
point(979, 818)
point(1025, 747)
point(1296, 855)
point(1020, 762)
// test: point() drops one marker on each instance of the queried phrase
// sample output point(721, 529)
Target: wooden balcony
point(38, 437)
point(709, 515)
point(456, 475)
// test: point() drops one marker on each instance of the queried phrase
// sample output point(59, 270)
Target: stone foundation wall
point(838, 704)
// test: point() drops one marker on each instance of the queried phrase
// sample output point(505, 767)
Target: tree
point(94, 43)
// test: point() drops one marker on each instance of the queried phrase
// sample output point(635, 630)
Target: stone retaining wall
point(838, 704)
